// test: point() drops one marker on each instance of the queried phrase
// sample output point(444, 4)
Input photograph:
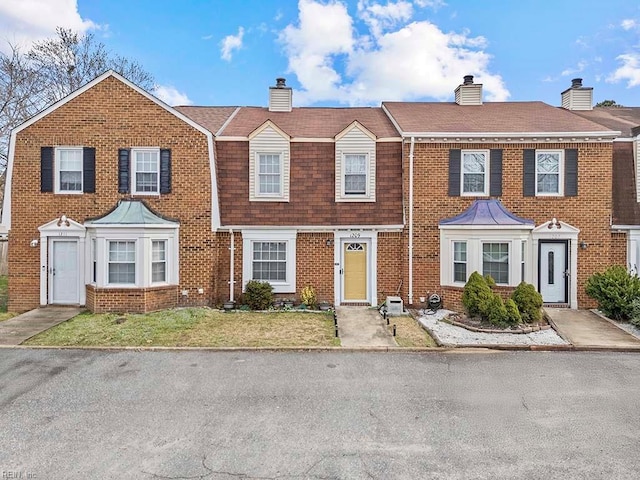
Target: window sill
point(355, 199)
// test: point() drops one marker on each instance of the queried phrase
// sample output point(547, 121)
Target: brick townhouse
point(119, 202)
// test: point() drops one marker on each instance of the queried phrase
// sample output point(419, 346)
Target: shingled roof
point(211, 118)
point(305, 122)
point(493, 117)
point(624, 119)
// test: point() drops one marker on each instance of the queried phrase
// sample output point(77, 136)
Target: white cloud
point(435, 4)
point(230, 43)
point(380, 17)
point(335, 63)
point(24, 21)
point(629, 71)
point(206, 37)
point(572, 71)
point(628, 23)
point(170, 95)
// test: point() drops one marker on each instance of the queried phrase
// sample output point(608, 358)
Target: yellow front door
point(355, 272)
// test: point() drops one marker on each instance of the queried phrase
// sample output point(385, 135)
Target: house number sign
point(355, 235)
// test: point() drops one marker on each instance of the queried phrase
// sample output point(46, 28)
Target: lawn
point(409, 333)
point(3, 298)
point(193, 327)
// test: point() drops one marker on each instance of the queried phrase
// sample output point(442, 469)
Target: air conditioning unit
point(395, 306)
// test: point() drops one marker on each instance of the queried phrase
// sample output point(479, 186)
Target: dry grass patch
point(409, 333)
point(6, 316)
point(201, 327)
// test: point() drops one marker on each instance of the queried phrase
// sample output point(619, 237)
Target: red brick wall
point(618, 249)
point(589, 211)
point(110, 116)
point(315, 264)
point(138, 300)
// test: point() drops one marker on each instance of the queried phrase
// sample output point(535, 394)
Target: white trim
point(355, 125)
point(227, 122)
point(517, 136)
point(56, 169)
point(215, 207)
point(487, 163)
point(344, 196)
point(259, 196)
point(371, 239)
point(286, 236)
point(240, 138)
point(264, 126)
point(319, 228)
point(560, 192)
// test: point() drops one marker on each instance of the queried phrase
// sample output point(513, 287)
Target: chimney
point(280, 97)
point(469, 93)
point(577, 97)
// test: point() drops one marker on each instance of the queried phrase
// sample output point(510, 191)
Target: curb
point(443, 348)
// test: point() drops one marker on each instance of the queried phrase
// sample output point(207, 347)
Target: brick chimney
point(469, 93)
point(280, 97)
point(577, 97)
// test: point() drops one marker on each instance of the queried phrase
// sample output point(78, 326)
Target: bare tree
point(51, 70)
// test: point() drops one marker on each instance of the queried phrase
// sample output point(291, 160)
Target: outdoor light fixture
point(329, 242)
point(583, 245)
point(34, 242)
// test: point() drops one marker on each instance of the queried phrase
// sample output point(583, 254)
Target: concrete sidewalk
point(18, 329)
point(363, 327)
point(584, 328)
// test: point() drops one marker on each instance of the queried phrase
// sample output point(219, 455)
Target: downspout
point(231, 273)
point(411, 221)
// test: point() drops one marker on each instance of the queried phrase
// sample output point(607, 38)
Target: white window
point(270, 256)
point(355, 174)
point(146, 171)
point(68, 170)
point(495, 261)
point(475, 172)
point(549, 172)
point(158, 261)
point(269, 261)
point(269, 174)
point(122, 262)
point(460, 262)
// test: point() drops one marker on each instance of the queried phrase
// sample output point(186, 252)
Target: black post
point(394, 329)
point(336, 327)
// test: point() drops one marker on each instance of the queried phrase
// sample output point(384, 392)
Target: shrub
point(496, 311)
point(528, 301)
point(476, 295)
point(513, 314)
point(258, 295)
point(490, 281)
point(308, 297)
point(615, 289)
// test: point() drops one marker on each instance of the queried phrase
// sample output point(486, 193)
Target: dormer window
point(269, 174)
point(355, 174)
point(269, 153)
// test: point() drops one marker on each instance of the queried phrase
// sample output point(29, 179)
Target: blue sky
point(356, 52)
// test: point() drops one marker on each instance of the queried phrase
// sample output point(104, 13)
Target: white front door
point(553, 272)
point(64, 273)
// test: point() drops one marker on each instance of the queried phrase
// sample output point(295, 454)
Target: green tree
point(608, 103)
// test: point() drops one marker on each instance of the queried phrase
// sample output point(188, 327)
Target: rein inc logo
point(14, 474)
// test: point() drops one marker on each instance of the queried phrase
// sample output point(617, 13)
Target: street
point(70, 414)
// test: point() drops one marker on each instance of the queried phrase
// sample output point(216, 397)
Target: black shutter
point(571, 172)
point(46, 169)
point(89, 170)
point(124, 167)
point(495, 173)
point(455, 157)
point(529, 173)
point(165, 171)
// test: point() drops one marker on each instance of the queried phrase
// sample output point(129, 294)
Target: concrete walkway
point(584, 328)
point(363, 327)
point(18, 329)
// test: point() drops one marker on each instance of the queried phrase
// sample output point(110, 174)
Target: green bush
point(476, 295)
point(615, 290)
point(258, 295)
point(528, 301)
point(513, 314)
point(490, 281)
point(635, 312)
point(496, 311)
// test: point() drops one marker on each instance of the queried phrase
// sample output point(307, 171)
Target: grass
point(197, 327)
point(409, 333)
point(4, 292)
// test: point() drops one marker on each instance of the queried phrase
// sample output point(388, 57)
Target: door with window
point(554, 272)
point(64, 273)
point(355, 272)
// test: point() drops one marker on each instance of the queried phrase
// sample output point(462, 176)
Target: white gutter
point(411, 221)
point(515, 135)
point(231, 273)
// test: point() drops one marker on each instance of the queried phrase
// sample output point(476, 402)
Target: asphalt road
point(67, 414)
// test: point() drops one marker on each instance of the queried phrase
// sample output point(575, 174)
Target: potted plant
point(229, 305)
point(324, 306)
point(288, 302)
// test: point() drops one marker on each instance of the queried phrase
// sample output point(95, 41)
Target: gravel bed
point(448, 334)
point(629, 328)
